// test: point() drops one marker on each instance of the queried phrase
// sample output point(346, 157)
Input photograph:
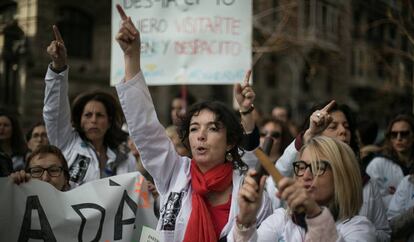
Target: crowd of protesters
point(338, 185)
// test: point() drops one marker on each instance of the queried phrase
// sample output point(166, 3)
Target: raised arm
point(130, 42)
point(245, 95)
point(56, 109)
point(158, 154)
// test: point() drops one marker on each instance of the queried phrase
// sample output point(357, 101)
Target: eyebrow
point(208, 124)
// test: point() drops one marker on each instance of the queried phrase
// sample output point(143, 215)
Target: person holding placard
point(47, 164)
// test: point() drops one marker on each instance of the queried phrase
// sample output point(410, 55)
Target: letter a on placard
point(45, 233)
point(118, 216)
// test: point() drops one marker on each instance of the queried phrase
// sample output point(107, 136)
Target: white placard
point(187, 41)
point(111, 209)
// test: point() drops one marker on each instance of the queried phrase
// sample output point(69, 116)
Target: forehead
point(310, 156)
point(177, 102)
point(45, 160)
point(204, 116)
point(39, 129)
point(272, 126)
point(338, 116)
point(94, 106)
point(401, 125)
point(4, 119)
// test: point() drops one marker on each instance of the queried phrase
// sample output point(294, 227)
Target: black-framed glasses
point(299, 167)
point(53, 171)
point(273, 134)
point(403, 134)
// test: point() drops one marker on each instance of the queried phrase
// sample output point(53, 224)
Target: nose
point(201, 136)
point(308, 175)
point(45, 176)
point(94, 118)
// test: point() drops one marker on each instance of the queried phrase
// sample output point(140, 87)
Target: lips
point(93, 130)
point(200, 150)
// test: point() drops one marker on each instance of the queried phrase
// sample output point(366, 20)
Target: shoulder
point(356, 223)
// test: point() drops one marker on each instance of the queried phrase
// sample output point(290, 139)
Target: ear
point(229, 147)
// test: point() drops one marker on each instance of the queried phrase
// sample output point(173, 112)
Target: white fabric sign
point(188, 41)
point(117, 208)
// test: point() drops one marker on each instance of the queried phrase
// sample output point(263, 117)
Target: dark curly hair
point(224, 116)
point(114, 136)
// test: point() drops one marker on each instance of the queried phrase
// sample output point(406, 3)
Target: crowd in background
point(342, 182)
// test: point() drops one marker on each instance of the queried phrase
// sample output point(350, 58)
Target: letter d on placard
point(77, 209)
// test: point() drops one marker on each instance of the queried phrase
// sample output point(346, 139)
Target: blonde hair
point(347, 199)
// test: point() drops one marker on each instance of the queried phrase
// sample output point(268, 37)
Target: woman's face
point(39, 137)
point(321, 188)
point(338, 128)
point(208, 141)
point(53, 173)
point(95, 121)
point(177, 110)
point(401, 136)
point(274, 131)
point(6, 130)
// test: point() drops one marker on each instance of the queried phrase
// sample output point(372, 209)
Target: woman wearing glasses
point(327, 188)
point(47, 164)
point(397, 156)
point(280, 135)
point(337, 121)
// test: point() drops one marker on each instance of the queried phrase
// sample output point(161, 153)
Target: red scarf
point(200, 226)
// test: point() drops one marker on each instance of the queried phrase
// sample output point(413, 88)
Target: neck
point(98, 145)
point(206, 167)
point(404, 157)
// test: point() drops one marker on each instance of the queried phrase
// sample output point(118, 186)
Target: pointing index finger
point(329, 106)
point(58, 36)
point(121, 12)
point(247, 78)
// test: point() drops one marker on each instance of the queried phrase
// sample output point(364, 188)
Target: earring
point(229, 156)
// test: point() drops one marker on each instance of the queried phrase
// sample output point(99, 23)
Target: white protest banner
point(187, 41)
point(117, 208)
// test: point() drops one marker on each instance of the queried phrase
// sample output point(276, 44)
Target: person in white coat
point(94, 146)
point(337, 121)
point(324, 199)
point(401, 210)
point(198, 195)
point(397, 156)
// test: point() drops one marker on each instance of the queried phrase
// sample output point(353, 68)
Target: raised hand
point(296, 196)
point(129, 40)
point(250, 198)
point(244, 93)
point(319, 121)
point(57, 50)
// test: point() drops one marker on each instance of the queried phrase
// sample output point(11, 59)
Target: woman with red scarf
point(198, 195)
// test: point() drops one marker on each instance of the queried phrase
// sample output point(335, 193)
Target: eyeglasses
point(299, 167)
point(273, 134)
point(403, 134)
point(53, 171)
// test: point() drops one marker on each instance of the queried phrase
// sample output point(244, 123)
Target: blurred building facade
point(305, 51)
